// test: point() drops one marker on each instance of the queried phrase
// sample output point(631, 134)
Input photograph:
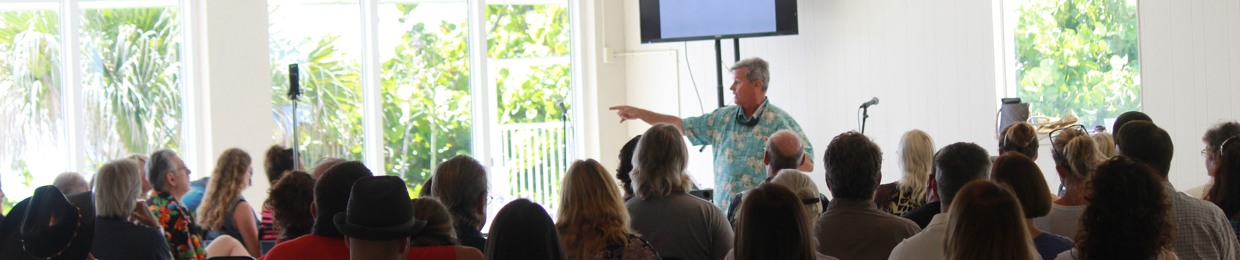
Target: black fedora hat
point(54, 228)
point(379, 209)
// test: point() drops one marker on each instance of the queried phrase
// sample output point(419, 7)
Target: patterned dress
point(739, 147)
point(183, 234)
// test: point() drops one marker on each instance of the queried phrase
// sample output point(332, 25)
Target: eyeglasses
point(1055, 133)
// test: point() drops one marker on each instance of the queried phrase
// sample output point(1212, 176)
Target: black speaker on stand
point(294, 92)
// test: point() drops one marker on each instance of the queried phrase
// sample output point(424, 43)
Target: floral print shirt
point(183, 234)
point(739, 148)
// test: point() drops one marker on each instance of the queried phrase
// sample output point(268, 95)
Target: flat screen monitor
point(686, 20)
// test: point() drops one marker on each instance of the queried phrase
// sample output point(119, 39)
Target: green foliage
point(1078, 55)
point(30, 84)
point(330, 110)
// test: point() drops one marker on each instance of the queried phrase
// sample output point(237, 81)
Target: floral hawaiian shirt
point(739, 148)
point(183, 234)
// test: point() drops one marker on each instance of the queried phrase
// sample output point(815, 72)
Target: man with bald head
point(784, 150)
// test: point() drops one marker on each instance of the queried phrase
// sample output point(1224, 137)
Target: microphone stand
point(865, 114)
point(294, 92)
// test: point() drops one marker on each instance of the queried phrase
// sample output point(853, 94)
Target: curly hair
point(290, 201)
point(226, 184)
point(1128, 216)
point(1020, 137)
point(626, 165)
point(279, 161)
point(1226, 189)
point(592, 213)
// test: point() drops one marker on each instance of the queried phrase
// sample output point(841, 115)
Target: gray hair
point(119, 186)
point(801, 185)
point(160, 163)
point(756, 70)
point(71, 183)
point(659, 163)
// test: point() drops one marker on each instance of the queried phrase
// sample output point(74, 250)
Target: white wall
point(933, 65)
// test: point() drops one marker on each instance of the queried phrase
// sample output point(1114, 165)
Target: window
point(30, 97)
point(1073, 55)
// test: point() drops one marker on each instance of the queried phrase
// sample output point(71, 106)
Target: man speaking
point(737, 132)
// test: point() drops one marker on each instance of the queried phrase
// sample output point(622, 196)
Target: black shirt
point(924, 214)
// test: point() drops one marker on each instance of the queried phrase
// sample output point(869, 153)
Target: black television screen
point(684, 20)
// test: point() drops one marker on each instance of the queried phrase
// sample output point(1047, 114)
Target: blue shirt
point(739, 148)
point(1050, 245)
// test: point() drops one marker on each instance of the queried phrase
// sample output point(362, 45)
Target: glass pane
point(425, 86)
point(324, 39)
point(131, 66)
point(30, 97)
point(1079, 56)
point(522, 31)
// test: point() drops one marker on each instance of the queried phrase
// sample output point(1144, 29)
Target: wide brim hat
point(379, 209)
point(52, 227)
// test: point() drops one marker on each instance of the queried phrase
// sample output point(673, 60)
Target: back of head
point(324, 164)
point(659, 163)
point(160, 163)
point(1225, 192)
point(771, 225)
point(1215, 136)
point(626, 164)
point(523, 230)
point(785, 150)
point(71, 183)
point(290, 201)
point(987, 223)
point(592, 212)
point(1106, 145)
point(279, 160)
point(1020, 174)
point(853, 163)
point(118, 186)
point(1020, 137)
point(227, 182)
point(1075, 150)
point(331, 195)
point(805, 189)
point(916, 159)
point(461, 184)
point(1126, 117)
point(1145, 142)
point(1128, 213)
point(958, 164)
point(438, 230)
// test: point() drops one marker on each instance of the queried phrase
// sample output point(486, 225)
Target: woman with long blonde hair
point(593, 222)
point(223, 210)
point(916, 158)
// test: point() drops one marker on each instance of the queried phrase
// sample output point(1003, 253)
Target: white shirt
point(1063, 220)
point(927, 245)
point(1201, 229)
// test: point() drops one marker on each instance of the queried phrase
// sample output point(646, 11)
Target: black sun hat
point(379, 209)
point(51, 227)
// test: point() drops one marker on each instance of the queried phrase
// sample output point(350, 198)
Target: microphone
point(562, 106)
point(872, 102)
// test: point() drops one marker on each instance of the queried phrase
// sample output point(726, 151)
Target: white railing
point(535, 156)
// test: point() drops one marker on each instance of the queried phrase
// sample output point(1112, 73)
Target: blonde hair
point(916, 158)
point(1075, 151)
point(439, 230)
point(119, 187)
point(659, 163)
point(1106, 145)
point(592, 214)
point(987, 223)
point(805, 189)
point(226, 184)
point(1020, 137)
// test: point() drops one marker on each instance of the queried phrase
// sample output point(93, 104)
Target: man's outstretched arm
point(631, 113)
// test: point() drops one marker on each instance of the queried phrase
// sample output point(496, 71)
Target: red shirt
point(321, 247)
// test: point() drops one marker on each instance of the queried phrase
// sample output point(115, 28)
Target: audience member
point(1076, 156)
point(324, 164)
point(224, 211)
point(916, 158)
point(1022, 176)
point(461, 184)
point(987, 223)
point(1098, 129)
point(807, 193)
point(593, 220)
point(146, 183)
point(379, 219)
point(331, 196)
point(290, 201)
point(922, 215)
point(523, 230)
point(1127, 217)
point(47, 226)
point(279, 161)
point(170, 179)
point(783, 151)
point(626, 166)
point(955, 165)
point(1223, 164)
point(772, 225)
point(1019, 137)
point(437, 240)
point(698, 230)
point(71, 183)
point(853, 227)
point(124, 229)
point(1126, 117)
point(1201, 229)
point(1105, 143)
